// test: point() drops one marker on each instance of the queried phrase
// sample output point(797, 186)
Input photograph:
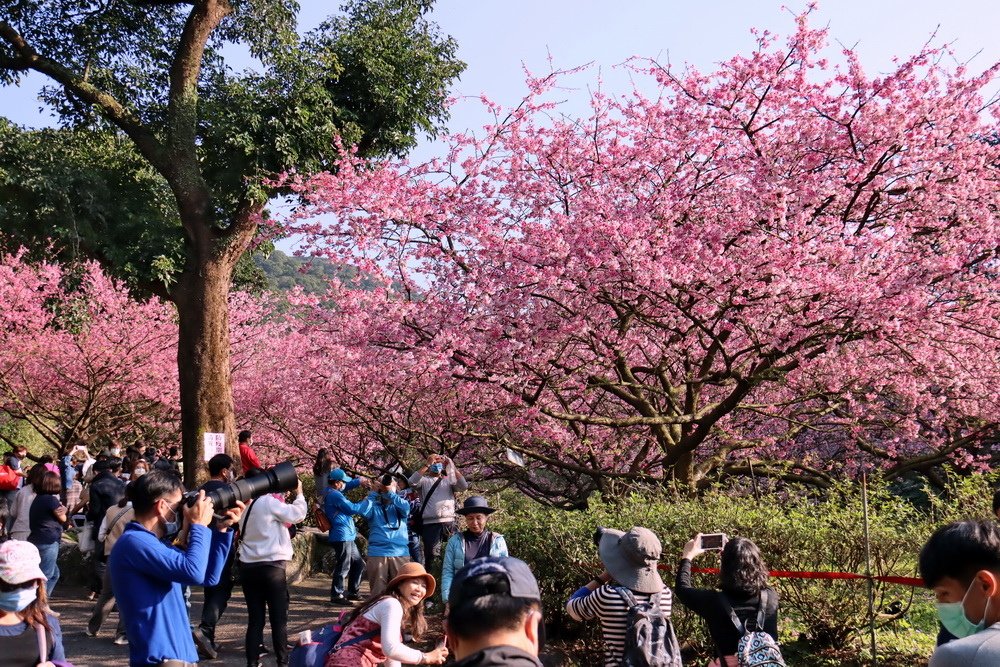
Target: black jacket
point(499, 655)
point(714, 606)
point(105, 490)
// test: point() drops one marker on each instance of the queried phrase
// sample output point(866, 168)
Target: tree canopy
point(375, 76)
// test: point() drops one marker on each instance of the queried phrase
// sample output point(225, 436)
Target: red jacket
point(248, 458)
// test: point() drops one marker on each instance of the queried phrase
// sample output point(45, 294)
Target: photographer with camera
point(630, 582)
point(221, 475)
point(149, 573)
point(746, 604)
point(264, 551)
point(340, 513)
point(388, 547)
point(436, 484)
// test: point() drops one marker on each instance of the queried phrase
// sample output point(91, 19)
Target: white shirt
point(389, 615)
point(265, 537)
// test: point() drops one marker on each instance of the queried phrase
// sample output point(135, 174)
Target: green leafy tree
point(153, 71)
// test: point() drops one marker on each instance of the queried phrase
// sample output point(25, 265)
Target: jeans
point(49, 554)
point(433, 533)
point(266, 590)
point(102, 608)
point(349, 564)
point(416, 551)
point(217, 598)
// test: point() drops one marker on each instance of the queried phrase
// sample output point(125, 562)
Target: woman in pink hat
point(373, 632)
point(24, 609)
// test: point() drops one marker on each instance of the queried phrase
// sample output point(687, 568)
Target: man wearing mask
point(154, 572)
point(349, 565)
point(220, 470)
point(388, 547)
point(961, 564)
point(436, 484)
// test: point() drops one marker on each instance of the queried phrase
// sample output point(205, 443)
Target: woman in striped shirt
point(630, 561)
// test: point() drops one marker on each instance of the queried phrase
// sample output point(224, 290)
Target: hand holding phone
point(712, 541)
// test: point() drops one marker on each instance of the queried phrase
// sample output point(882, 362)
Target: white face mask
point(18, 599)
point(172, 527)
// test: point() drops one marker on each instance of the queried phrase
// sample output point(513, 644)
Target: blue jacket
point(387, 534)
point(454, 558)
point(340, 511)
point(149, 576)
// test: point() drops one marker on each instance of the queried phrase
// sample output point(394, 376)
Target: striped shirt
point(607, 606)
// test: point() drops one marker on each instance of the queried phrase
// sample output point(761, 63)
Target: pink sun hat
point(19, 562)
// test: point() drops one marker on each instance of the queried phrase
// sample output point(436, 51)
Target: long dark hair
point(323, 463)
point(742, 570)
point(413, 617)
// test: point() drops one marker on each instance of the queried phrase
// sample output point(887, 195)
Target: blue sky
point(498, 38)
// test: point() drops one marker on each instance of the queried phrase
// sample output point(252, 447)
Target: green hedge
point(821, 621)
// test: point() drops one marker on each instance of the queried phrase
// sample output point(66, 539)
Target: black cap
point(470, 582)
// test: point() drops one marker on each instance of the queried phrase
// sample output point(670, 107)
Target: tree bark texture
point(206, 394)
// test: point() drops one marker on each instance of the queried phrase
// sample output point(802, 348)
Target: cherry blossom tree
point(755, 266)
point(81, 359)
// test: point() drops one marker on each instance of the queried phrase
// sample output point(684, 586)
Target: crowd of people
point(152, 542)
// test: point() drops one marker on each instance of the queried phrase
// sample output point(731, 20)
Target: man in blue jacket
point(340, 512)
point(388, 544)
point(149, 574)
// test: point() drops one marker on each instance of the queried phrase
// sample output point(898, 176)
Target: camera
point(386, 479)
point(278, 479)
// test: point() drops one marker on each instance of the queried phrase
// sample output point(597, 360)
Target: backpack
point(313, 653)
point(649, 637)
point(756, 647)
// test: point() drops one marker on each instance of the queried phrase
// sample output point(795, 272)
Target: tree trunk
point(206, 394)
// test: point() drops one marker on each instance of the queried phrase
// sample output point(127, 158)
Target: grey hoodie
point(440, 508)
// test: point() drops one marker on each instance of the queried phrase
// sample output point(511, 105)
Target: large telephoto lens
point(278, 479)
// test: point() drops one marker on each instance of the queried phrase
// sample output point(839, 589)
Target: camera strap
point(423, 502)
point(243, 528)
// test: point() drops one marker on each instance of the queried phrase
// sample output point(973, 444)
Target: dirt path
point(309, 608)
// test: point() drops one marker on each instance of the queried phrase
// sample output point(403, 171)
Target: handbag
point(322, 522)
point(85, 538)
point(9, 479)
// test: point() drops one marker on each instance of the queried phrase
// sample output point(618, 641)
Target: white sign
point(215, 443)
point(515, 457)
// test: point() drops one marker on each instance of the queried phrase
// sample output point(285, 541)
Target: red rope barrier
point(792, 574)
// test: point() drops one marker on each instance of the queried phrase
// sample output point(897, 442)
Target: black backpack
point(649, 637)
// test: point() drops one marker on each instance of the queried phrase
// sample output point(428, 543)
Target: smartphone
point(713, 541)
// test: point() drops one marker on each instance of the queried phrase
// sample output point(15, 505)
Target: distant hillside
point(312, 274)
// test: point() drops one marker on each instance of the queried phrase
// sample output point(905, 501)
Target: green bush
point(795, 531)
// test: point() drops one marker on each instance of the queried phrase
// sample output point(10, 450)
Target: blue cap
point(338, 475)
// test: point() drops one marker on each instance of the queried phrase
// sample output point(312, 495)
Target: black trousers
point(217, 598)
point(266, 591)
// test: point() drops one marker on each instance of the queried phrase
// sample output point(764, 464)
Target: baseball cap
point(469, 583)
point(338, 475)
point(20, 562)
